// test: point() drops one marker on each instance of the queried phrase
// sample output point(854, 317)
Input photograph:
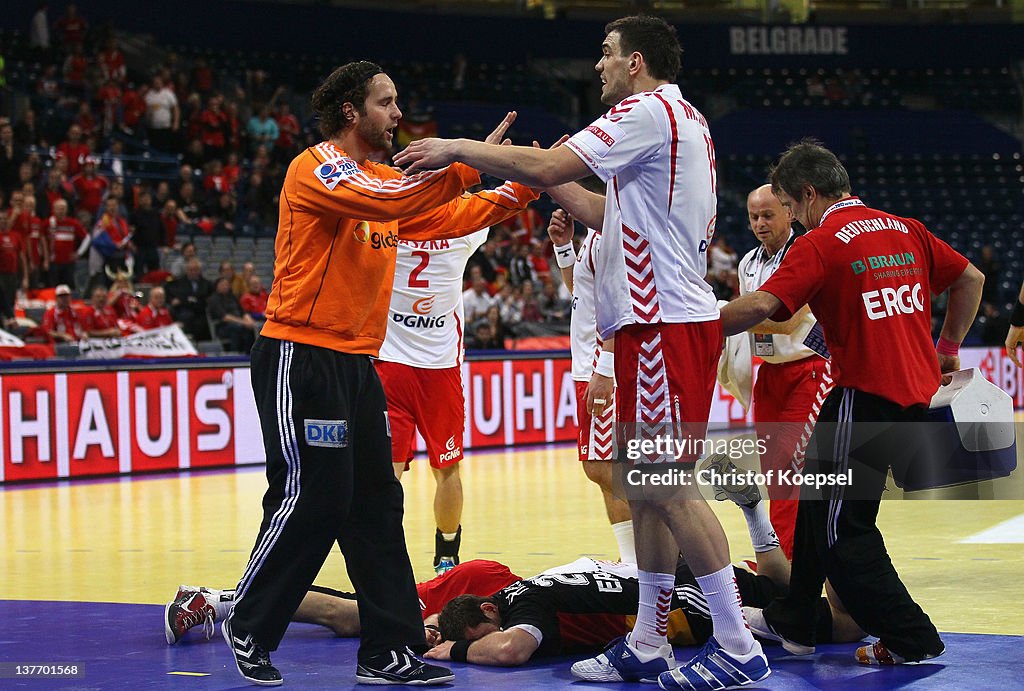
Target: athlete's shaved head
point(348, 84)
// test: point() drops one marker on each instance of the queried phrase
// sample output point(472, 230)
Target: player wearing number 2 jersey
point(420, 363)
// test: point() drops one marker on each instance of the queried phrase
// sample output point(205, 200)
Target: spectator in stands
point(240, 283)
point(483, 338)
point(485, 258)
point(61, 323)
point(163, 116)
point(113, 158)
point(11, 157)
point(477, 300)
point(111, 62)
point(288, 132)
point(123, 297)
point(13, 266)
point(722, 263)
point(520, 268)
point(226, 270)
point(39, 29)
point(173, 221)
point(552, 305)
point(188, 253)
point(99, 320)
point(531, 307)
point(66, 237)
point(493, 320)
point(56, 188)
point(188, 297)
point(37, 243)
point(148, 234)
point(188, 203)
point(17, 205)
point(75, 69)
point(133, 107)
point(111, 239)
point(539, 262)
point(90, 187)
point(254, 300)
point(202, 77)
point(262, 129)
point(231, 324)
point(85, 120)
point(510, 303)
point(213, 129)
point(155, 314)
point(26, 131)
point(71, 28)
point(994, 325)
point(260, 209)
point(74, 150)
point(223, 214)
point(993, 270)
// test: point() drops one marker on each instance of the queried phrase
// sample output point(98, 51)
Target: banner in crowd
point(71, 423)
point(167, 341)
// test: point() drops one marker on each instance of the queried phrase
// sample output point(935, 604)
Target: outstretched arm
point(744, 312)
point(531, 166)
point(501, 649)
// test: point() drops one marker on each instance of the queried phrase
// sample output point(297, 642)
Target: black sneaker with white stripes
point(252, 661)
point(400, 667)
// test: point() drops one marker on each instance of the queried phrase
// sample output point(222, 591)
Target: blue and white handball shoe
point(620, 661)
point(713, 668)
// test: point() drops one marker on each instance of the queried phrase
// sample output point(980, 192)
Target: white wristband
point(605, 364)
point(565, 255)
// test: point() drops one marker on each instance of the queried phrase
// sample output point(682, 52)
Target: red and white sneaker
point(189, 609)
point(877, 654)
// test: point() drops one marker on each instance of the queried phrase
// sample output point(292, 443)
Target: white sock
point(651, 629)
point(449, 537)
point(222, 601)
point(624, 536)
point(730, 629)
point(762, 533)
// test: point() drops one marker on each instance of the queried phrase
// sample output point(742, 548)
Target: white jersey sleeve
point(425, 319)
point(655, 152)
point(754, 270)
point(583, 342)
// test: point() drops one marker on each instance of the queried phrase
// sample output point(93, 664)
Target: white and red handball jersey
point(583, 343)
point(755, 268)
point(425, 320)
point(655, 153)
point(869, 277)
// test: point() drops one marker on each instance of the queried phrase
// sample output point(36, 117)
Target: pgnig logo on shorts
point(332, 434)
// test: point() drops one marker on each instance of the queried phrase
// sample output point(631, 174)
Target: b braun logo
point(891, 302)
point(423, 305)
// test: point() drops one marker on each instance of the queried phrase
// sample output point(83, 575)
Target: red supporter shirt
point(32, 230)
point(66, 234)
point(154, 319)
point(11, 246)
point(254, 304)
point(476, 577)
point(90, 192)
point(868, 277)
point(75, 153)
point(64, 321)
point(98, 319)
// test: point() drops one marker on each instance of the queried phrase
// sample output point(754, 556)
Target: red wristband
point(945, 347)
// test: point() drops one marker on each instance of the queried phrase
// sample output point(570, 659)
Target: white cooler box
point(969, 436)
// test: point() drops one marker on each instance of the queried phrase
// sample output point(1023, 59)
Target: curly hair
point(349, 83)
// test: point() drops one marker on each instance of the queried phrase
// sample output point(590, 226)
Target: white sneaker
point(622, 662)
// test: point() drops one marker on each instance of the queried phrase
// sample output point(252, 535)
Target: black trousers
point(326, 434)
point(836, 536)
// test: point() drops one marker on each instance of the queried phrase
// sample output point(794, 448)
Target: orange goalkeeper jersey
point(337, 238)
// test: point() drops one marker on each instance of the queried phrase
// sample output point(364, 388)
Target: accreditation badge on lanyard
point(764, 346)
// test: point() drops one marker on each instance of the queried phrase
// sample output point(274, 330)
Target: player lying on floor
point(571, 608)
point(337, 610)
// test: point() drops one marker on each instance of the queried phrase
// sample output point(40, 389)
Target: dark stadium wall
point(347, 33)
